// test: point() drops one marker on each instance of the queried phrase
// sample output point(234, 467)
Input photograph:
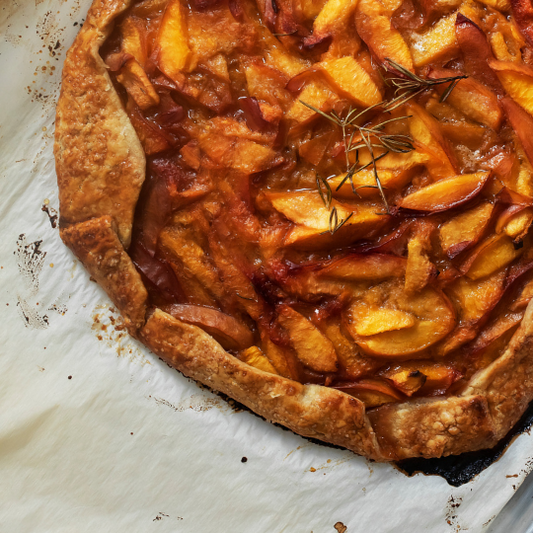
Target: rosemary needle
point(408, 85)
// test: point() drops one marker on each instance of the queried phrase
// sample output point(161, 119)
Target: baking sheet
point(98, 434)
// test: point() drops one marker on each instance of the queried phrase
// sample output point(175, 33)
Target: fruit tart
point(320, 208)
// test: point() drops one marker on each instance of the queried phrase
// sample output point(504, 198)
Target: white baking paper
point(96, 434)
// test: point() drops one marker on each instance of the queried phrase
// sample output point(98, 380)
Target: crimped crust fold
point(433, 427)
point(310, 410)
point(96, 244)
point(508, 382)
point(100, 162)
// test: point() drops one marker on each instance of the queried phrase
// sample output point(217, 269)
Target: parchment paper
point(96, 434)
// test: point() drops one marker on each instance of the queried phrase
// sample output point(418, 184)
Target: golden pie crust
point(101, 167)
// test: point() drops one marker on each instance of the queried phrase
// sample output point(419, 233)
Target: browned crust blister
point(101, 167)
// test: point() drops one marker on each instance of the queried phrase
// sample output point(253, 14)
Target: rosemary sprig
point(356, 137)
point(408, 85)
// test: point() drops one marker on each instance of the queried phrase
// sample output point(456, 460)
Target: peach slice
point(393, 163)
point(230, 148)
point(373, 25)
point(515, 221)
point(500, 48)
point(489, 256)
point(315, 94)
point(133, 78)
point(314, 149)
point(133, 39)
point(522, 124)
point(306, 284)
point(465, 230)
point(174, 54)
point(473, 301)
point(500, 5)
point(312, 218)
point(407, 381)
point(363, 183)
point(354, 363)
point(437, 43)
point(333, 18)
point(473, 99)
point(434, 320)
point(407, 342)
point(424, 376)
point(277, 57)
point(446, 194)
point(497, 329)
point(256, 358)
point(228, 331)
point(351, 79)
point(426, 130)
point(281, 357)
point(365, 267)
point(517, 80)
point(312, 348)
point(152, 138)
point(368, 322)
point(419, 270)
point(148, 8)
point(308, 9)
point(371, 391)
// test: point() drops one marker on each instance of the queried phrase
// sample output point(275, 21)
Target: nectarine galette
point(321, 208)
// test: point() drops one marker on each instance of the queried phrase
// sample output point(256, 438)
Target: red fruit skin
point(476, 53)
point(523, 14)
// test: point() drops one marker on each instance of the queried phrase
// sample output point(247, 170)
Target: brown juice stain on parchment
point(197, 402)
point(329, 464)
point(162, 516)
point(34, 307)
point(51, 212)
point(45, 85)
point(296, 449)
point(452, 517)
point(109, 327)
point(525, 471)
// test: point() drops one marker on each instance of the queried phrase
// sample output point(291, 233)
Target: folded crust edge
point(100, 163)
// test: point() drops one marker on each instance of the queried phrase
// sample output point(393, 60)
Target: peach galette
point(320, 208)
